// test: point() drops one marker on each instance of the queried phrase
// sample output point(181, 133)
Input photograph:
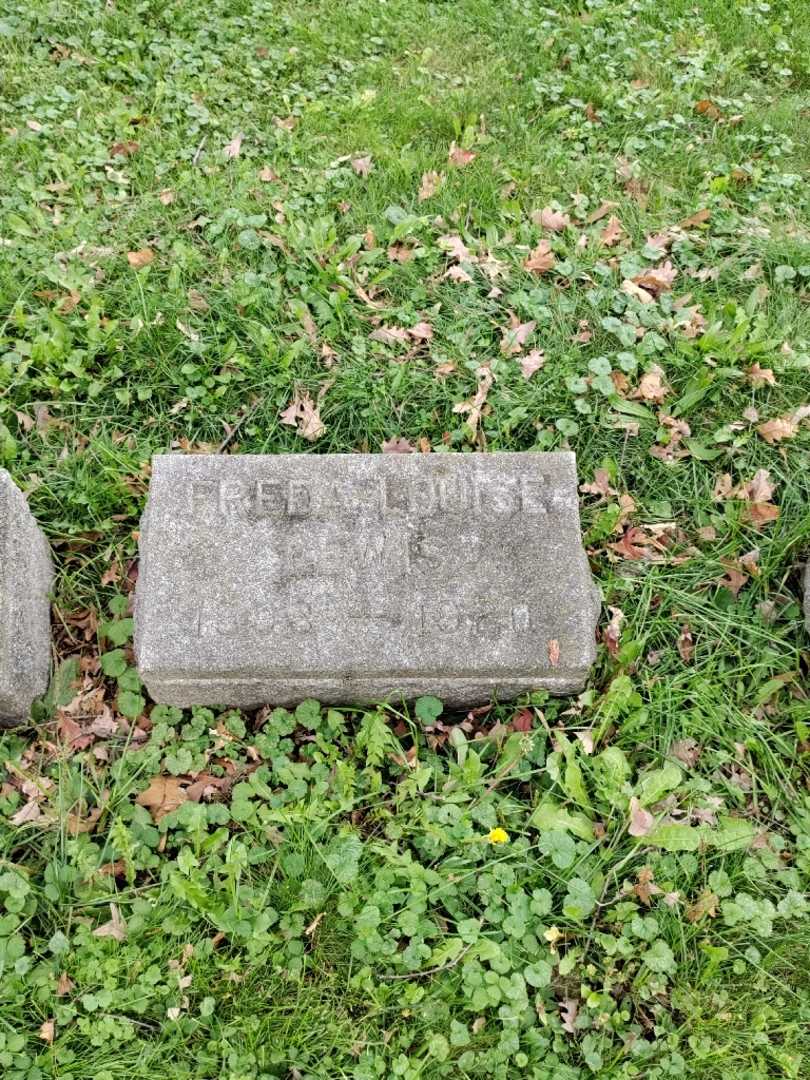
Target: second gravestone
point(355, 578)
point(25, 610)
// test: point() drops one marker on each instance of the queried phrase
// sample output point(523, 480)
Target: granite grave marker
point(26, 574)
point(359, 577)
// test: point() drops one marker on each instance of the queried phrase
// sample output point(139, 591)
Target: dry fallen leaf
point(759, 376)
point(651, 386)
point(541, 259)
point(116, 928)
point(657, 279)
point(397, 445)
point(362, 165)
point(124, 149)
point(234, 148)
point(460, 157)
point(514, 337)
point(600, 212)
point(568, 1015)
point(612, 232)
point(429, 185)
point(164, 794)
point(65, 985)
point(167, 196)
point(47, 1031)
point(706, 904)
point(773, 431)
point(705, 107)
point(303, 413)
point(138, 259)
point(686, 645)
point(554, 652)
point(532, 362)
point(474, 406)
point(641, 820)
point(547, 218)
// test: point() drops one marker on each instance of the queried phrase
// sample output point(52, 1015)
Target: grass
point(321, 895)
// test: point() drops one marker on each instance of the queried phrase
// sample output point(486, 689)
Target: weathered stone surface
point(807, 596)
point(354, 578)
point(26, 574)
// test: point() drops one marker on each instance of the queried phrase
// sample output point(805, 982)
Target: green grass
point(327, 907)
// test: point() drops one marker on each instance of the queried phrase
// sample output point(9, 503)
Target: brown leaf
point(554, 652)
point(646, 888)
point(430, 185)
point(641, 820)
point(759, 489)
point(459, 157)
point(116, 928)
point(390, 335)
point(541, 259)
point(124, 149)
point(475, 405)
point(759, 376)
point(568, 1014)
point(686, 645)
point(30, 811)
point(515, 336)
point(733, 579)
point(421, 331)
point(47, 1031)
point(612, 232)
point(657, 279)
point(164, 794)
point(532, 362)
point(400, 253)
point(397, 445)
point(600, 212)
point(167, 196)
point(523, 720)
point(138, 259)
point(65, 985)
point(651, 387)
point(613, 631)
point(197, 302)
point(781, 427)
point(699, 218)
point(600, 486)
point(706, 904)
point(457, 273)
point(234, 148)
point(303, 413)
point(455, 248)
point(362, 165)
point(686, 751)
point(547, 218)
point(705, 107)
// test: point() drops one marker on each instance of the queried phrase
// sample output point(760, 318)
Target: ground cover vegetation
point(416, 227)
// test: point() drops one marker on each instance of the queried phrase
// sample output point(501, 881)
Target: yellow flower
point(498, 836)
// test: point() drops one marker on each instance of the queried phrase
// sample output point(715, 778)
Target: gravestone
point(360, 577)
point(26, 574)
point(807, 596)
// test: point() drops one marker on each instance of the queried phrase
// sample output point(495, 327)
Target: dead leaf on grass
point(612, 232)
point(397, 445)
point(641, 820)
point(116, 928)
point(431, 181)
point(139, 259)
point(362, 165)
point(551, 219)
point(164, 794)
point(234, 148)
point(541, 259)
point(686, 644)
point(459, 157)
point(531, 362)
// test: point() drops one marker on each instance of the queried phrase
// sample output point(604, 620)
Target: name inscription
point(419, 496)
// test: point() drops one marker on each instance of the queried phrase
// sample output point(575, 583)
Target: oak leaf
point(547, 218)
point(164, 794)
point(541, 259)
point(139, 259)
